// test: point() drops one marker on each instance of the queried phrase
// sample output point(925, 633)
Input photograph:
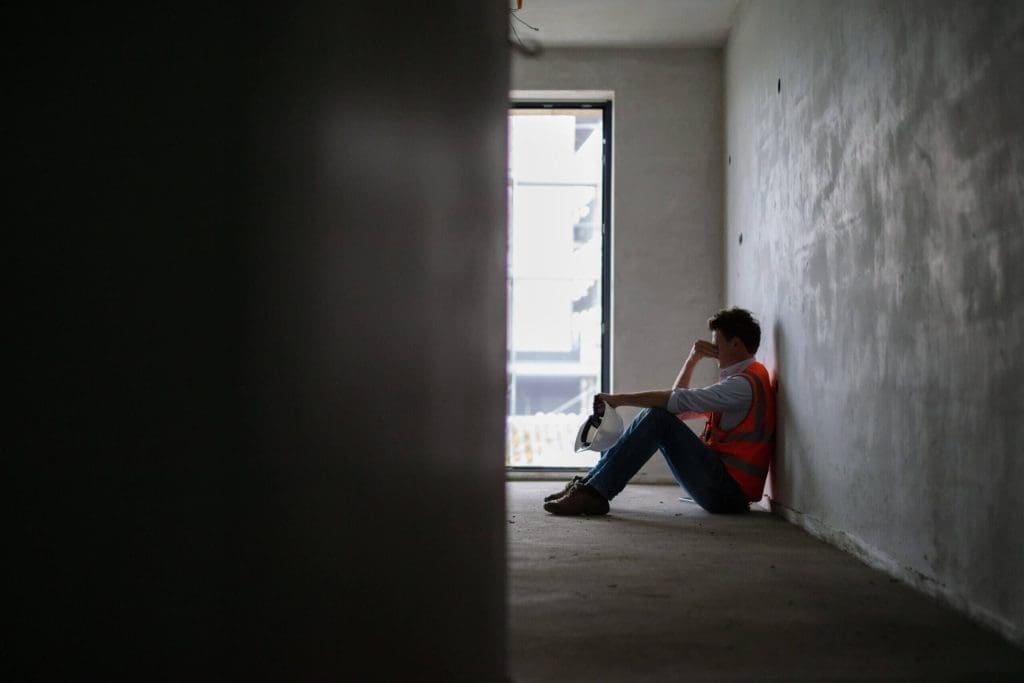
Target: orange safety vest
point(747, 449)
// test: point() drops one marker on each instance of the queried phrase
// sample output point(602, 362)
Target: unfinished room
point(518, 340)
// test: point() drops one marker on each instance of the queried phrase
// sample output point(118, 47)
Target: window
point(558, 275)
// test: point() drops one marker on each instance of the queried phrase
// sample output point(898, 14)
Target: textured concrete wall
point(667, 201)
point(259, 325)
point(875, 203)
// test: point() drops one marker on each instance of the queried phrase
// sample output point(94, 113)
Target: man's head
point(736, 333)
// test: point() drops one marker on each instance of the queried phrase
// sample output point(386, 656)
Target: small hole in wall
point(730, 160)
point(779, 86)
point(741, 238)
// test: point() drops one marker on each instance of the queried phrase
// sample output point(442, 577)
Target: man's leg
point(621, 462)
point(617, 466)
point(696, 467)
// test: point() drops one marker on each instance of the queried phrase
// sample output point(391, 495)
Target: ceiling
point(625, 23)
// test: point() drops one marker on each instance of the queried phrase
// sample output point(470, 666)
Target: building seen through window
point(555, 261)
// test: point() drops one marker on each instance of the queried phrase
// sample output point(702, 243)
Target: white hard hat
point(604, 435)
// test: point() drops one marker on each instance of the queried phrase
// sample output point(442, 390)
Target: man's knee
point(659, 414)
point(650, 415)
point(653, 418)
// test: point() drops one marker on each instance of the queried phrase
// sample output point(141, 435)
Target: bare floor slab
point(660, 590)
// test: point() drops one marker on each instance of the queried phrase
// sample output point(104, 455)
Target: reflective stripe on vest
point(744, 466)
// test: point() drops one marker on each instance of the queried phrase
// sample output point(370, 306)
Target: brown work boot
point(581, 499)
point(565, 490)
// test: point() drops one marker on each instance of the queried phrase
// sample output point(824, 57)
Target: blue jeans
point(696, 467)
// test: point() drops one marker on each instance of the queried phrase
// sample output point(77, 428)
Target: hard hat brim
point(604, 436)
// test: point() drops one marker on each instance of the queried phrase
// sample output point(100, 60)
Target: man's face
point(729, 350)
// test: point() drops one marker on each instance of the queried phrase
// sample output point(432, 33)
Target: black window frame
point(606, 232)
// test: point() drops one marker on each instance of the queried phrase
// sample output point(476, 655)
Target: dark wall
point(258, 343)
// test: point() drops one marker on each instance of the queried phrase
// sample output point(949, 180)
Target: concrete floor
point(660, 590)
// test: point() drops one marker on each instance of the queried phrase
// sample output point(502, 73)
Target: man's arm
point(659, 399)
point(732, 394)
point(643, 399)
point(701, 349)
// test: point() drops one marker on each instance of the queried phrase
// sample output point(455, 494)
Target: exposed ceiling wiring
point(520, 20)
point(530, 48)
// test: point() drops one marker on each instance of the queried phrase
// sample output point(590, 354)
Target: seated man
point(724, 469)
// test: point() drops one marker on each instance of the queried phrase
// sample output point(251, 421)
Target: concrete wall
point(666, 201)
point(875, 203)
point(257, 344)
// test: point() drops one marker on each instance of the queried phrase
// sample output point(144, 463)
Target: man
point(724, 469)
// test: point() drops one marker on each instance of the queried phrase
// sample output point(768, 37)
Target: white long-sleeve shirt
point(731, 396)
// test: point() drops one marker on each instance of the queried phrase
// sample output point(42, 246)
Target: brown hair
point(737, 322)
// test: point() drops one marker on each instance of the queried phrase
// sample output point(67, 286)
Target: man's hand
point(600, 400)
point(614, 400)
point(703, 349)
point(643, 399)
